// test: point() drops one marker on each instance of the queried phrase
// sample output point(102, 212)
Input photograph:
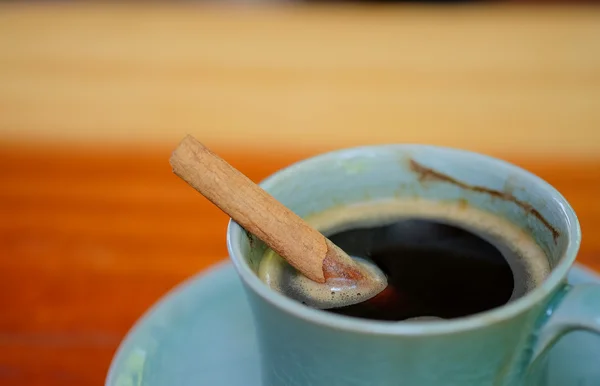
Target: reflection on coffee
point(443, 260)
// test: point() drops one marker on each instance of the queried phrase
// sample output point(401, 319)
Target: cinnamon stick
point(305, 248)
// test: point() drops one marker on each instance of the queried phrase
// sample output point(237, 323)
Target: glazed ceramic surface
point(202, 333)
point(301, 346)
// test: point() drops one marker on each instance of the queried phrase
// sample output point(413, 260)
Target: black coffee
point(442, 259)
point(435, 269)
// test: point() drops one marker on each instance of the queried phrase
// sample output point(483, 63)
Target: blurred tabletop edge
point(487, 77)
point(90, 238)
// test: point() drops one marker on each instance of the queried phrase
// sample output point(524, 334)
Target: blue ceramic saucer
point(201, 333)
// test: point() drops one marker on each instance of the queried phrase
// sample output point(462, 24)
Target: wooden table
point(90, 239)
point(498, 79)
point(94, 228)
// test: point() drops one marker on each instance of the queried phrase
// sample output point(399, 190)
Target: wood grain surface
point(90, 238)
point(486, 77)
point(94, 227)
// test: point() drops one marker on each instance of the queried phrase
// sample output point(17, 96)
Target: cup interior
point(366, 174)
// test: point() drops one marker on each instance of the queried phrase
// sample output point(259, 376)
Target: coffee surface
point(445, 260)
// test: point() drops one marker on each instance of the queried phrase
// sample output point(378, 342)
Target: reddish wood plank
point(89, 239)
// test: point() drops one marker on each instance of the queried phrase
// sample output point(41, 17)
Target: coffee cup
point(503, 346)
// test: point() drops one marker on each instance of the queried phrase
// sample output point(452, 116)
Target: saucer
point(202, 333)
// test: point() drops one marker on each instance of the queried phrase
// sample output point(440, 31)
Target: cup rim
point(341, 322)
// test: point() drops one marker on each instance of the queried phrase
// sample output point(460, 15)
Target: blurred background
point(94, 227)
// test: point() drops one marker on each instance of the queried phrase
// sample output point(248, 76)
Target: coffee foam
point(335, 292)
point(526, 258)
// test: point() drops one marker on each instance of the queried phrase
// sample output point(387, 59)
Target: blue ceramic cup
point(300, 346)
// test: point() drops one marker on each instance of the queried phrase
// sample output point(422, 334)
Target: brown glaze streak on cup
point(426, 173)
